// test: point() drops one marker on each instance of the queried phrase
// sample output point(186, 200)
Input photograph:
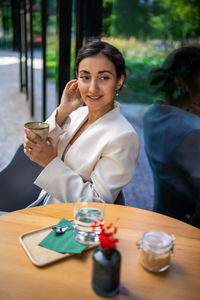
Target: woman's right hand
point(70, 101)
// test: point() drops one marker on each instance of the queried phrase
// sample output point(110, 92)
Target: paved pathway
point(14, 112)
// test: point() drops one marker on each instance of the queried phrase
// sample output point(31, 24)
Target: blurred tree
point(6, 17)
point(37, 22)
point(163, 19)
point(107, 18)
point(37, 18)
point(187, 13)
point(175, 19)
point(130, 18)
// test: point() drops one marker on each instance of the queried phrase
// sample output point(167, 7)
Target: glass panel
point(37, 59)
point(73, 42)
point(28, 36)
point(6, 32)
point(23, 48)
point(146, 31)
point(51, 60)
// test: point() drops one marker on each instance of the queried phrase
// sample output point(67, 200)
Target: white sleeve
point(114, 169)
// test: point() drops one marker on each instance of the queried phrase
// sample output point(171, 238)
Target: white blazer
point(99, 163)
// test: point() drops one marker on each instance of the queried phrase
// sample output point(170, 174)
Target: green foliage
point(6, 32)
point(129, 18)
point(51, 58)
point(166, 23)
point(37, 23)
point(175, 19)
point(165, 19)
point(107, 16)
point(140, 57)
point(6, 19)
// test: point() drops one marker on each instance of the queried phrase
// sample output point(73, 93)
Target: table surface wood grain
point(70, 278)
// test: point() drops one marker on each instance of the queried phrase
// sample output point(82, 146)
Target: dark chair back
point(120, 199)
point(16, 182)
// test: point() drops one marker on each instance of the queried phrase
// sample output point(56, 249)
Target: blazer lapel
point(68, 135)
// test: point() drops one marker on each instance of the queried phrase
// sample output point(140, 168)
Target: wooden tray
point(41, 256)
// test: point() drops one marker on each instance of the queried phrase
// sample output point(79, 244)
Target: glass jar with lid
point(155, 250)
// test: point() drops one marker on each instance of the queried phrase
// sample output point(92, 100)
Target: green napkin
point(63, 243)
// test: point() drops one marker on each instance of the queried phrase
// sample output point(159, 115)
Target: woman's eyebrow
point(100, 72)
point(105, 71)
point(84, 71)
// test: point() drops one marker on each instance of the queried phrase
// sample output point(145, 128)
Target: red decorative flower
point(106, 236)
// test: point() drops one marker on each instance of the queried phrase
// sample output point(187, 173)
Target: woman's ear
point(120, 82)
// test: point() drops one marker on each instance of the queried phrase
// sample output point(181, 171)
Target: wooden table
point(71, 278)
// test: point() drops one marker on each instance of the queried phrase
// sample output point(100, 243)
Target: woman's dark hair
point(96, 46)
point(173, 77)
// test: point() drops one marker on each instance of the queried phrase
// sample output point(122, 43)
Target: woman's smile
point(94, 97)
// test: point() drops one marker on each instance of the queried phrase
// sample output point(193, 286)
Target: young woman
point(92, 150)
point(172, 135)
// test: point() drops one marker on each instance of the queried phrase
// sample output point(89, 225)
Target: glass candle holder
point(155, 250)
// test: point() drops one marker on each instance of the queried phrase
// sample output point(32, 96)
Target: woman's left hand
point(39, 151)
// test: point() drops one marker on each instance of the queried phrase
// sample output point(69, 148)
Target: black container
point(106, 271)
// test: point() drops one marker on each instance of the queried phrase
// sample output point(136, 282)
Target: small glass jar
point(155, 250)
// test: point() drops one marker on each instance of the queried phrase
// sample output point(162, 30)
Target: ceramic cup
point(39, 128)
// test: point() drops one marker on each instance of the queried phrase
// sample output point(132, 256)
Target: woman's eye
point(84, 77)
point(104, 78)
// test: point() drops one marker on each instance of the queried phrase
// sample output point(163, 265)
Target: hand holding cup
point(37, 146)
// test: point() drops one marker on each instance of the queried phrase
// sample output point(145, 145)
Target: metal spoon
point(58, 229)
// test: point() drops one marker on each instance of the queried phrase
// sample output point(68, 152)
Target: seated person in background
point(92, 150)
point(172, 135)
